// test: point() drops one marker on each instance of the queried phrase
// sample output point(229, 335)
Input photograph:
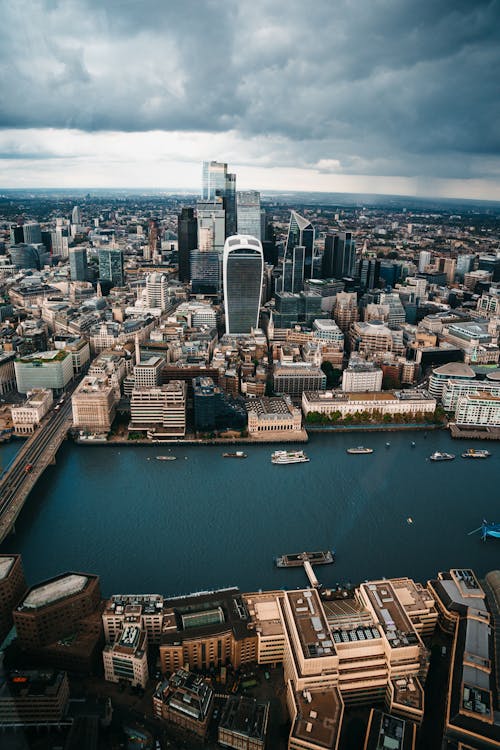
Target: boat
point(387, 445)
point(323, 557)
point(165, 458)
point(413, 444)
point(409, 520)
point(360, 449)
point(289, 457)
point(237, 454)
point(438, 456)
point(488, 530)
point(473, 453)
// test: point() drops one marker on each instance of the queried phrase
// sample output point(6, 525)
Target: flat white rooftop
point(55, 590)
point(6, 564)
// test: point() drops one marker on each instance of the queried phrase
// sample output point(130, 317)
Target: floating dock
point(323, 557)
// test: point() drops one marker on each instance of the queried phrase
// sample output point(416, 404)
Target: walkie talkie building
point(243, 267)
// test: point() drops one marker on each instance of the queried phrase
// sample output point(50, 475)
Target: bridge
point(26, 468)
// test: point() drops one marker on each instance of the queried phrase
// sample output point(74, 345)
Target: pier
point(28, 465)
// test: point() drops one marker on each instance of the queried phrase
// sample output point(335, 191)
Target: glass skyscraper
point(243, 268)
point(78, 263)
point(111, 266)
point(217, 181)
point(187, 235)
point(339, 256)
point(300, 235)
point(249, 213)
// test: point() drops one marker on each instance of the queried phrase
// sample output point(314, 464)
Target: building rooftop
point(387, 732)
point(454, 370)
point(53, 591)
point(6, 563)
point(186, 693)
point(30, 683)
point(319, 717)
point(408, 692)
point(310, 620)
point(245, 716)
point(268, 405)
point(390, 614)
point(264, 611)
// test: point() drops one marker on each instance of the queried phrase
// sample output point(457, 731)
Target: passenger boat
point(359, 450)
point(438, 456)
point(236, 454)
point(289, 457)
point(472, 453)
point(491, 530)
point(165, 458)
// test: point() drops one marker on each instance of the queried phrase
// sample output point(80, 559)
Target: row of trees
point(375, 417)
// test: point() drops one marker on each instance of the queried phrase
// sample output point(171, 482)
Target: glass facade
point(111, 266)
point(205, 272)
point(249, 213)
point(243, 271)
point(339, 256)
point(300, 234)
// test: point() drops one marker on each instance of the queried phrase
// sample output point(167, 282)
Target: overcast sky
point(386, 96)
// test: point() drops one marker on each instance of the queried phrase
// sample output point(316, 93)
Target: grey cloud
point(386, 86)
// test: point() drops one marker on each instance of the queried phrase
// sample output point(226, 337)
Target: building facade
point(243, 268)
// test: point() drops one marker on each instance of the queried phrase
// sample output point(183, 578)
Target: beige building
point(346, 310)
point(127, 659)
point(161, 410)
point(370, 338)
point(273, 415)
point(27, 417)
point(264, 610)
point(94, 404)
point(384, 402)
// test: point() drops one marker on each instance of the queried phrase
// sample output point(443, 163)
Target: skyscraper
point(249, 213)
point(111, 266)
point(76, 216)
point(300, 234)
point(157, 290)
point(339, 256)
point(32, 233)
point(78, 263)
point(424, 260)
point(217, 181)
point(243, 268)
point(187, 235)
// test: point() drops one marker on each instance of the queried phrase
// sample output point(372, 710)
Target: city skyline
point(388, 98)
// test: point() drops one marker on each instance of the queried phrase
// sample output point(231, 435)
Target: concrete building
point(296, 377)
point(33, 697)
point(7, 372)
point(126, 660)
point(409, 403)
point(480, 409)
point(453, 389)
point(185, 699)
point(94, 404)
point(276, 415)
point(12, 588)
point(440, 375)
point(53, 369)
point(387, 731)
point(148, 611)
point(78, 347)
point(328, 330)
point(361, 376)
point(243, 723)
point(161, 411)
point(147, 372)
point(370, 338)
point(27, 417)
point(157, 291)
point(266, 617)
point(345, 311)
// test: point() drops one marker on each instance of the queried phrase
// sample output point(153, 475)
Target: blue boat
point(488, 530)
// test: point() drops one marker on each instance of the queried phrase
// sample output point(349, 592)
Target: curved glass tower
point(243, 268)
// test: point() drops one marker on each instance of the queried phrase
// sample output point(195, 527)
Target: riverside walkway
point(37, 453)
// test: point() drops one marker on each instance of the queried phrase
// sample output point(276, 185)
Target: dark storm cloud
point(371, 86)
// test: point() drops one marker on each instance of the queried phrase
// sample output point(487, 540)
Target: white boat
point(359, 450)
point(438, 456)
point(473, 453)
point(165, 458)
point(289, 457)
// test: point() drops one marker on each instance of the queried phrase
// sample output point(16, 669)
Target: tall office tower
point(76, 216)
point(205, 267)
point(465, 263)
point(78, 263)
point(111, 266)
point(249, 213)
point(339, 256)
point(187, 236)
point(243, 268)
point(154, 240)
point(28, 256)
point(32, 233)
point(217, 181)
point(300, 234)
point(60, 242)
point(157, 290)
point(211, 217)
point(16, 235)
point(424, 260)
point(368, 272)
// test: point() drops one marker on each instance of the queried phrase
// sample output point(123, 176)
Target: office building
point(53, 609)
point(218, 182)
point(243, 723)
point(76, 216)
point(53, 369)
point(16, 235)
point(453, 389)
point(249, 213)
point(157, 291)
point(187, 240)
point(370, 338)
point(300, 264)
point(148, 611)
point(126, 660)
point(214, 409)
point(27, 417)
point(78, 264)
point(7, 372)
point(243, 267)
point(28, 256)
point(480, 409)
point(59, 240)
point(361, 376)
point(32, 233)
point(382, 403)
point(186, 699)
point(345, 311)
point(424, 260)
point(489, 263)
point(94, 404)
point(291, 309)
point(296, 377)
point(12, 588)
point(458, 371)
point(147, 370)
point(465, 264)
point(208, 630)
point(369, 273)
point(275, 415)
point(205, 272)
point(339, 256)
point(111, 266)
point(388, 731)
point(396, 313)
point(160, 411)
point(33, 697)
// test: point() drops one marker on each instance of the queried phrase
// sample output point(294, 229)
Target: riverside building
point(53, 369)
point(243, 723)
point(147, 611)
point(94, 404)
point(273, 415)
point(159, 411)
point(12, 587)
point(408, 403)
point(27, 417)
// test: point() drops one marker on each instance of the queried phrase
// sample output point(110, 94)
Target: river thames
point(202, 521)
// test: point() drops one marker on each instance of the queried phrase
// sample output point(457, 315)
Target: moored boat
point(165, 458)
point(236, 454)
point(438, 456)
point(289, 457)
point(473, 453)
point(359, 450)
